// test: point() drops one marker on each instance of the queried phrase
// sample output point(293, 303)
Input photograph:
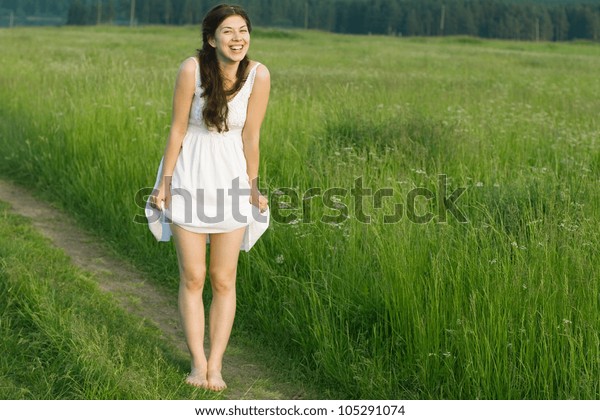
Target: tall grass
point(62, 338)
point(503, 306)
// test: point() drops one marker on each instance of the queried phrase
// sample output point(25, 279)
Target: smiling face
point(231, 39)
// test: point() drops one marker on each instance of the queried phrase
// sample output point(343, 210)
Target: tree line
point(547, 20)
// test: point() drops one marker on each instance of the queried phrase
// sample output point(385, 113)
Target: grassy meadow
point(503, 306)
point(62, 338)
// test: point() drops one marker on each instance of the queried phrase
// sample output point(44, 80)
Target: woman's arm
point(183, 95)
point(257, 107)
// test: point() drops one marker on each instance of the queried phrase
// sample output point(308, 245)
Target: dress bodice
point(238, 105)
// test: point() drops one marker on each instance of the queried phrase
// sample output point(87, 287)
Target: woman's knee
point(222, 280)
point(193, 277)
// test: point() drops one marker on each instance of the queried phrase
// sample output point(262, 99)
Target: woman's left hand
point(260, 201)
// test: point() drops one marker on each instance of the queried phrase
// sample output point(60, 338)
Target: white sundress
point(210, 188)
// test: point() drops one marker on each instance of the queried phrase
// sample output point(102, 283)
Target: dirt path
point(246, 379)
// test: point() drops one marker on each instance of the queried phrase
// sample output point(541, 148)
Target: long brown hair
point(215, 96)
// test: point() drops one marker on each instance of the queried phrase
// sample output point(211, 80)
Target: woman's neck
point(229, 70)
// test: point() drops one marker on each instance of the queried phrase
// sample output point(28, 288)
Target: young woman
point(207, 181)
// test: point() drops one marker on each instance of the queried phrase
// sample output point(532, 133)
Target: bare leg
point(224, 253)
point(191, 254)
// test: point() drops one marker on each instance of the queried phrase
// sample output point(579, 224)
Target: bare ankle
point(200, 363)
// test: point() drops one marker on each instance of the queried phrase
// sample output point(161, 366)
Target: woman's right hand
point(162, 198)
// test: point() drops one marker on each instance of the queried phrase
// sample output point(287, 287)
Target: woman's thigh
point(191, 250)
point(224, 252)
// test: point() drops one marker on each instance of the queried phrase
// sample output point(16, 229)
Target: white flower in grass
point(479, 184)
point(279, 259)
point(308, 197)
point(447, 354)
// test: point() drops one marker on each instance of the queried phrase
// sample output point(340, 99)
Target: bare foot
point(215, 381)
point(197, 378)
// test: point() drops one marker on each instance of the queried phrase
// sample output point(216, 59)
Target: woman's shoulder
point(262, 72)
point(186, 76)
point(189, 64)
point(188, 69)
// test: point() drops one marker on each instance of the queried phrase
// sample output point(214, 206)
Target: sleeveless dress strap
point(252, 76)
point(198, 92)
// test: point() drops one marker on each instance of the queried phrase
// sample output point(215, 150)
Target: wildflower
point(279, 259)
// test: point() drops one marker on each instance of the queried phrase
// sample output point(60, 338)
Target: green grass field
point(62, 338)
point(504, 306)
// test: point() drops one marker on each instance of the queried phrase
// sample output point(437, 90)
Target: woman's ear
point(211, 42)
